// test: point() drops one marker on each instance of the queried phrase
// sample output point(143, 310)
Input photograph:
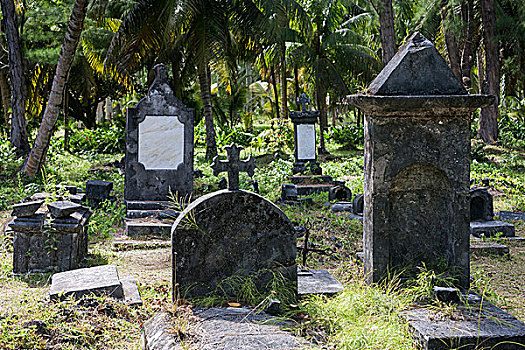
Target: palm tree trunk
point(284, 87)
point(450, 40)
point(321, 102)
point(388, 33)
point(470, 44)
point(67, 54)
point(275, 94)
point(205, 85)
point(16, 75)
point(296, 83)
point(488, 119)
point(4, 92)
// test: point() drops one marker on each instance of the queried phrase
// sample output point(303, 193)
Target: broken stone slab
point(131, 291)
point(77, 198)
point(147, 229)
point(26, 209)
point(477, 324)
point(341, 206)
point(492, 228)
point(223, 329)
point(98, 280)
point(96, 189)
point(32, 223)
point(511, 215)
point(60, 209)
point(317, 282)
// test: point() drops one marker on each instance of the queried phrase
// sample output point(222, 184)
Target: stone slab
point(97, 189)
point(96, 280)
point(511, 215)
point(159, 214)
point(306, 190)
point(477, 325)
point(137, 245)
point(223, 329)
point(149, 205)
point(131, 291)
point(492, 228)
point(353, 216)
point(317, 282)
point(488, 247)
point(34, 224)
point(26, 209)
point(62, 209)
point(341, 206)
point(146, 229)
point(299, 179)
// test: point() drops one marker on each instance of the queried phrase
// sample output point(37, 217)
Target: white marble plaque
point(305, 141)
point(161, 143)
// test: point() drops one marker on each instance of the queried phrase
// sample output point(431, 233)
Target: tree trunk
point(275, 93)
point(388, 33)
point(205, 85)
point(469, 46)
point(16, 75)
point(4, 91)
point(452, 45)
point(67, 54)
point(66, 119)
point(321, 102)
point(284, 85)
point(481, 70)
point(488, 120)
point(296, 82)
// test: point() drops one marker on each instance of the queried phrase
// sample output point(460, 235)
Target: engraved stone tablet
point(306, 141)
point(161, 143)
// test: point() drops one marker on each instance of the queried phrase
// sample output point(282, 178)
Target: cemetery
point(200, 203)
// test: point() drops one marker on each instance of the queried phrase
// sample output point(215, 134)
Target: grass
point(362, 317)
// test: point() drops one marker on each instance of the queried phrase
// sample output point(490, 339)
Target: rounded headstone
point(358, 204)
point(231, 233)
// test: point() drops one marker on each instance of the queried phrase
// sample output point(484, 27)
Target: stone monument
point(417, 165)
point(231, 233)
point(159, 152)
point(482, 216)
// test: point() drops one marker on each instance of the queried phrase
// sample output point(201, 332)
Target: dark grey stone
point(61, 209)
point(233, 166)
point(303, 179)
point(98, 280)
point(477, 325)
point(341, 206)
point(317, 282)
point(358, 204)
point(97, 189)
point(353, 216)
point(492, 228)
point(307, 190)
point(28, 224)
point(149, 205)
point(147, 229)
point(152, 183)
point(27, 208)
point(288, 192)
point(510, 215)
point(222, 184)
point(20, 256)
point(447, 295)
point(417, 69)
point(158, 214)
point(231, 233)
point(340, 193)
point(417, 168)
point(481, 205)
point(77, 198)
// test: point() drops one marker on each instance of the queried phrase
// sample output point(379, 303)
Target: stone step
point(149, 205)
point(168, 214)
point(306, 190)
point(299, 179)
point(491, 228)
point(134, 228)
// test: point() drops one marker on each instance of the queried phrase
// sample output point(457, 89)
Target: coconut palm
point(333, 52)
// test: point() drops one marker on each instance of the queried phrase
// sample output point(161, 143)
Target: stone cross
point(303, 100)
point(233, 166)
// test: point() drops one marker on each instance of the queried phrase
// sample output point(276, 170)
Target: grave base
point(511, 215)
point(491, 228)
point(317, 282)
point(487, 247)
point(477, 325)
point(341, 206)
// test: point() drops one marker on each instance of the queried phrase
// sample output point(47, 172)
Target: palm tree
point(67, 54)
point(333, 52)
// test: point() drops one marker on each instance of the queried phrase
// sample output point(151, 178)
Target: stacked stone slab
point(417, 165)
point(159, 156)
point(482, 216)
point(49, 240)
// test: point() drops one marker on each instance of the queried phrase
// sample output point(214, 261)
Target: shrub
point(347, 135)
point(103, 140)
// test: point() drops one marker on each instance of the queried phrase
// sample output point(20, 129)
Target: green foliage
point(105, 220)
point(102, 140)
point(278, 137)
point(271, 178)
point(512, 123)
point(349, 135)
point(421, 288)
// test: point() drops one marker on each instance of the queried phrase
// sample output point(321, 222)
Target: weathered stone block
point(492, 228)
point(26, 209)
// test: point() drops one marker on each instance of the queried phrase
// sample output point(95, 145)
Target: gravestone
point(304, 138)
point(159, 152)
point(49, 239)
point(482, 213)
point(417, 165)
point(231, 233)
